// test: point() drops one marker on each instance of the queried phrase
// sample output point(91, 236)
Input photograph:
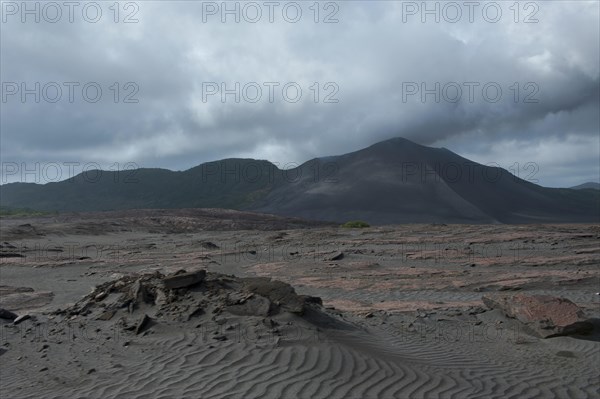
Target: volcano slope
point(398, 181)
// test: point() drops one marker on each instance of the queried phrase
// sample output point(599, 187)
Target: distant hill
point(223, 184)
point(395, 181)
point(588, 185)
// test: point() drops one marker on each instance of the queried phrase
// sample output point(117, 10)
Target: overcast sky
point(366, 69)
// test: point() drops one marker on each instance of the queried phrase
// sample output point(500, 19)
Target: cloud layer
point(518, 87)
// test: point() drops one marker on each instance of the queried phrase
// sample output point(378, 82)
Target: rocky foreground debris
point(138, 301)
point(543, 315)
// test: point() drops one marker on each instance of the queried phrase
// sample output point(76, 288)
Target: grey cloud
point(369, 54)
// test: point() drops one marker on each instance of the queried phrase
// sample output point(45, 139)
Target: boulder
point(182, 280)
point(280, 293)
point(543, 315)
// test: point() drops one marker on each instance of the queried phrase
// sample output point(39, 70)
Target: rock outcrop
point(543, 315)
point(153, 297)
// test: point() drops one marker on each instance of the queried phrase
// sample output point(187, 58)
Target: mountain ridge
point(587, 186)
point(393, 181)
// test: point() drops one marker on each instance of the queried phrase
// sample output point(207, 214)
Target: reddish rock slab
point(543, 315)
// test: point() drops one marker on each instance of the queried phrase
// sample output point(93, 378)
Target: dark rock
point(312, 299)
point(11, 255)
point(209, 245)
point(509, 288)
point(566, 354)
point(543, 315)
point(107, 315)
point(198, 311)
point(7, 314)
point(336, 256)
point(184, 279)
point(253, 306)
point(142, 324)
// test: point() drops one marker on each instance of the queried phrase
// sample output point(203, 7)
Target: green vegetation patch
point(356, 224)
point(15, 212)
